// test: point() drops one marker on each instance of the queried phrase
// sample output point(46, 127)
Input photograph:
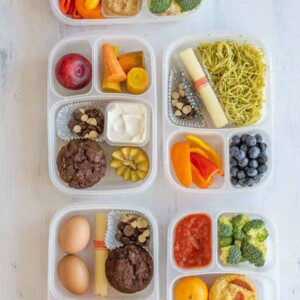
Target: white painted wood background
point(28, 199)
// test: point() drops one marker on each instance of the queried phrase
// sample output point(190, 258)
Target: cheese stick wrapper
point(204, 88)
point(101, 254)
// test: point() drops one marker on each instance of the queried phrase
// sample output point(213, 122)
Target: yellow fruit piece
point(131, 163)
point(137, 81)
point(91, 4)
point(108, 86)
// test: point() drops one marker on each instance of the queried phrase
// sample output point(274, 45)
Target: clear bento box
point(56, 290)
point(142, 14)
point(220, 139)
point(62, 102)
point(264, 279)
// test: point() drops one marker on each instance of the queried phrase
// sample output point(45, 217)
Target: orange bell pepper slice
point(180, 156)
point(95, 13)
point(199, 181)
point(212, 153)
point(206, 168)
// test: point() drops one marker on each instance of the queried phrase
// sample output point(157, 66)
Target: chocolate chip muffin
point(129, 269)
point(81, 163)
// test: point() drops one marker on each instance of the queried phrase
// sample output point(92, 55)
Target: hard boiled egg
point(73, 274)
point(74, 234)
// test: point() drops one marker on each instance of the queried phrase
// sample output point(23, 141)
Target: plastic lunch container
point(264, 279)
point(219, 139)
point(90, 47)
point(144, 16)
point(55, 288)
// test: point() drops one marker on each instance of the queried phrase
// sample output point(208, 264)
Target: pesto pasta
point(238, 72)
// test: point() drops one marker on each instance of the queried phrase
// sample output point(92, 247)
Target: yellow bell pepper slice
point(212, 153)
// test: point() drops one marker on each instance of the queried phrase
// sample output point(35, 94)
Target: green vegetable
point(238, 223)
point(187, 5)
point(225, 241)
point(255, 252)
point(225, 228)
point(231, 255)
point(238, 243)
point(159, 6)
point(256, 230)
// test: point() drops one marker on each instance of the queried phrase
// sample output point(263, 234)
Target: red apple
point(73, 71)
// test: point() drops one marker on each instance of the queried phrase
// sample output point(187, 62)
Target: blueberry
point(233, 151)
point(253, 152)
point(250, 141)
point(234, 180)
point(233, 171)
point(252, 172)
point(253, 163)
point(242, 182)
point(256, 178)
point(258, 138)
point(263, 146)
point(246, 169)
point(240, 155)
point(262, 169)
point(241, 175)
point(250, 182)
point(260, 175)
point(233, 162)
point(243, 163)
point(244, 137)
point(236, 140)
point(244, 148)
point(262, 158)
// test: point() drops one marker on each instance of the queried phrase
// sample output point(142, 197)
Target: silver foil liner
point(113, 219)
point(65, 114)
point(177, 76)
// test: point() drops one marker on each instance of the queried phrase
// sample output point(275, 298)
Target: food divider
point(218, 138)
point(143, 15)
point(59, 97)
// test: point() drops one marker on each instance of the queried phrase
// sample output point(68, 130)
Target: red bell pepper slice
point(66, 6)
point(206, 168)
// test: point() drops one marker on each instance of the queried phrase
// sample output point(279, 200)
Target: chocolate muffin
point(129, 269)
point(81, 163)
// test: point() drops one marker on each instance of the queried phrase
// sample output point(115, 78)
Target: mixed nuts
point(87, 123)
point(180, 103)
point(133, 229)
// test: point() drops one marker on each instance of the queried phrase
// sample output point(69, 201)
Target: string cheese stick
point(204, 88)
point(101, 255)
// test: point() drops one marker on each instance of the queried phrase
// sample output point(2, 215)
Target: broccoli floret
point(255, 252)
point(225, 241)
point(225, 226)
point(238, 223)
point(256, 229)
point(187, 5)
point(238, 243)
point(159, 6)
point(231, 255)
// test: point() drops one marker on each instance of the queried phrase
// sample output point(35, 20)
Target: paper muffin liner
point(177, 76)
point(113, 220)
point(65, 114)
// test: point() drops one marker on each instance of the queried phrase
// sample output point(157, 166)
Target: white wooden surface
point(28, 200)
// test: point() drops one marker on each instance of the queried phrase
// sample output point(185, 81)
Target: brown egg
point(73, 274)
point(74, 234)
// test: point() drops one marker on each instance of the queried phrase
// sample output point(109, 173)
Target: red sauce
point(193, 241)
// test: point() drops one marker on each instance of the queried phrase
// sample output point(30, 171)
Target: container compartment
point(214, 139)
point(264, 126)
point(125, 45)
point(55, 254)
point(110, 183)
point(265, 287)
point(266, 139)
point(81, 46)
point(171, 232)
point(271, 243)
point(143, 16)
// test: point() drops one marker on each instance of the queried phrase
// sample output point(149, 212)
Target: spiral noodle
point(238, 73)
